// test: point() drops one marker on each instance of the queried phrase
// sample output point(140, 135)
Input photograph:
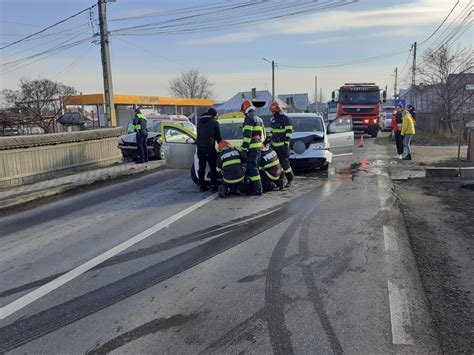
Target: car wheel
point(126, 157)
point(194, 176)
point(158, 151)
point(374, 133)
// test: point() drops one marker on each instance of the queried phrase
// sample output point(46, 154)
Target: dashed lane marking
point(399, 315)
point(29, 298)
point(390, 238)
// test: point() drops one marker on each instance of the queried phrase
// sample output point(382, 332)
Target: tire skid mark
point(313, 291)
point(27, 329)
point(155, 249)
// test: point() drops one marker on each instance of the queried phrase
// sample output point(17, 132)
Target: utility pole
point(273, 77)
point(106, 65)
point(395, 84)
point(413, 75)
point(321, 95)
point(315, 88)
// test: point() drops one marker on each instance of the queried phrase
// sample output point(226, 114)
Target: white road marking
point(399, 315)
point(29, 298)
point(383, 194)
point(390, 238)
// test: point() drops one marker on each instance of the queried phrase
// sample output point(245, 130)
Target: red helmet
point(275, 107)
point(223, 145)
point(246, 106)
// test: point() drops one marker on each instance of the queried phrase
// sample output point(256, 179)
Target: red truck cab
point(363, 101)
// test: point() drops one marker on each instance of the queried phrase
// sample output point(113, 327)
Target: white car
point(313, 145)
point(386, 118)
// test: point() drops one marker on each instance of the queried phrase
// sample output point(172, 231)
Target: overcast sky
point(231, 58)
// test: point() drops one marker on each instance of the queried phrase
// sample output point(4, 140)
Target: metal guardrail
point(16, 142)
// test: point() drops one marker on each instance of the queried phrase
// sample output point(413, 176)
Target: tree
point(192, 85)
point(37, 101)
point(446, 71)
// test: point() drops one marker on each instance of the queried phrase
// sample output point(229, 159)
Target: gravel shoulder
point(439, 218)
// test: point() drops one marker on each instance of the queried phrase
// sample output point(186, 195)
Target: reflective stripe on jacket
point(253, 132)
point(139, 123)
point(281, 130)
point(230, 164)
point(270, 163)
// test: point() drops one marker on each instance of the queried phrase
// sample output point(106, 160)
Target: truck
point(363, 102)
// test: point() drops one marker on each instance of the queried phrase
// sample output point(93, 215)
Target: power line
point(441, 24)
point(47, 28)
point(76, 61)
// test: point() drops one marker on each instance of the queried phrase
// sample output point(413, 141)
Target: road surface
point(151, 265)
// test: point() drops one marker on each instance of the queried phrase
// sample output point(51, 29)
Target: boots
point(408, 157)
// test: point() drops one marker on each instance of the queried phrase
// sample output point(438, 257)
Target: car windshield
point(231, 131)
point(307, 124)
point(359, 97)
point(155, 125)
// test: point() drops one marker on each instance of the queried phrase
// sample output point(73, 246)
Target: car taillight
point(366, 121)
point(375, 120)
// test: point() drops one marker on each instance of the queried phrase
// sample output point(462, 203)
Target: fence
point(34, 158)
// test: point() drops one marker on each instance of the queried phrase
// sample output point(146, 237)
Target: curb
point(37, 195)
point(464, 173)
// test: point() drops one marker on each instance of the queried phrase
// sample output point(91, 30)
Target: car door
point(179, 146)
point(341, 136)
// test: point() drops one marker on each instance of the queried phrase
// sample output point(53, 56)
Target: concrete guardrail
point(27, 159)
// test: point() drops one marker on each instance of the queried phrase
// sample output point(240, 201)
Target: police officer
point(251, 145)
point(280, 135)
point(139, 126)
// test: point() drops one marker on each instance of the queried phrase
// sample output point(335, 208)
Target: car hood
point(297, 135)
point(131, 137)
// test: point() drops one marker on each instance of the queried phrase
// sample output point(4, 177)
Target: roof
point(72, 118)
point(298, 101)
point(234, 103)
point(120, 99)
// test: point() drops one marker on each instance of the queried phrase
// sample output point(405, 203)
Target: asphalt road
point(153, 266)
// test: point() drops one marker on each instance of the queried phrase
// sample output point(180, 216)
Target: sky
point(303, 46)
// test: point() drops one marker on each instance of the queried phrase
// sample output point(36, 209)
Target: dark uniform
point(252, 144)
point(398, 133)
point(280, 135)
point(229, 163)
point(271, 170)
point(139, 126)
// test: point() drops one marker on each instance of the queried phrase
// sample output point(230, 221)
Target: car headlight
point(320, 145)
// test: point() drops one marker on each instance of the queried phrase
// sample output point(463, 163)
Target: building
point(295, 102)
point(125, 105)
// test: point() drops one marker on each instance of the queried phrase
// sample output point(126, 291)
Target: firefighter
point(139, 126)
point(279, 136)
point(251, 145)
point(271, 171)
point(229, 163)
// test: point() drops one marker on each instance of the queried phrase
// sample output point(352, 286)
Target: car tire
point(158, 151)
point(193, 175)
point(374, 133)
point(126, 157)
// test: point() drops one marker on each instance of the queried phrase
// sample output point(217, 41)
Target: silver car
point(128, 144)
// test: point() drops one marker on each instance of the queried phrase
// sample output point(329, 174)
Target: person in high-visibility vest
point(271, 171)
point(252, 144)
point(280, 135)
point(229, 163)
point(139, 126)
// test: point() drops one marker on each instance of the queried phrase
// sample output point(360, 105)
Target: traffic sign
point(400, 102)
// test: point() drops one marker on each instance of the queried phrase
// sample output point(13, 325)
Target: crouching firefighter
point(251, 145)
point(229, 163)
point(270, 170)
point(280, 135)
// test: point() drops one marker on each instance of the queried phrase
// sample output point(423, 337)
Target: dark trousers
point(399, 142)
point(141, 147)
point(253, 158)
point(283, 155)
point(207, 156)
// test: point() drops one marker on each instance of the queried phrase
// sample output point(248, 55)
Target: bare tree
point(192, 85)
point(37, 101)
point(445, 70)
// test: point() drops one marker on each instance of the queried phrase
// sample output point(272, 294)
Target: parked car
point(386, 118)
point(179, 148)
point(128, 145)
point(313, 145)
